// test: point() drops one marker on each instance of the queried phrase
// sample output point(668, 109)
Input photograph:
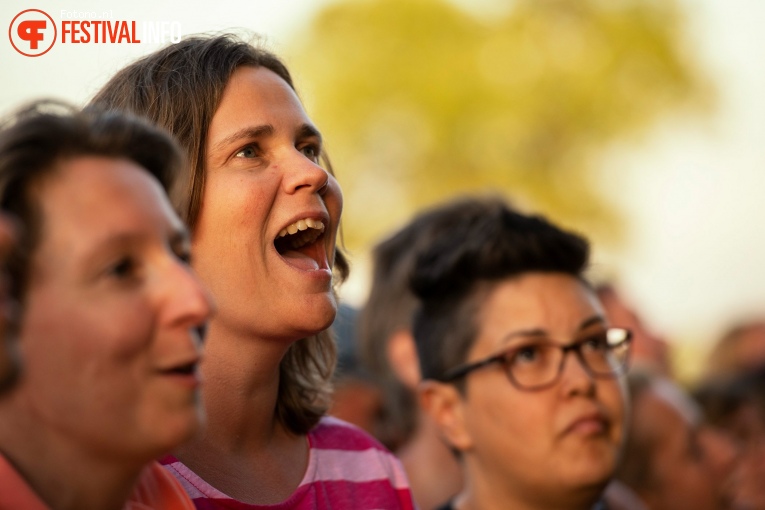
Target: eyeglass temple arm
point(462, 370)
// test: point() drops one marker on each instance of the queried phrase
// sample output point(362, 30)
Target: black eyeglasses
point(538, 363)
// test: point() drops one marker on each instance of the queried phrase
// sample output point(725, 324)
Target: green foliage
point(419, 101)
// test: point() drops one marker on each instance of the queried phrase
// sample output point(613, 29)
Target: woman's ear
point(402, 358)
point(446, 407)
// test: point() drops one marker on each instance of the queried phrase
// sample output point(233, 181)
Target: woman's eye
point(124, 268)
point(311, 152)
point(184, 256)
point(526, 354)
point(248, 152)
point(596, 343)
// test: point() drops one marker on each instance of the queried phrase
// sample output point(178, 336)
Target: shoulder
point(360, 471)
point(157, 489)
point(14, 490)
point(335, 434)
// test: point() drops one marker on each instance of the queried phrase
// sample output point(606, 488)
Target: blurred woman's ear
point(446, 408)
point(402, 358)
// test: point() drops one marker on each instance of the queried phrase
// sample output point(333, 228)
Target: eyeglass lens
point(538, 363)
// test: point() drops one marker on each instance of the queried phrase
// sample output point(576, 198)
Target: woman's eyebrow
point(245, 133)
point(308, 131)
point(524, 333)
point(595, 319)
point(539, 332)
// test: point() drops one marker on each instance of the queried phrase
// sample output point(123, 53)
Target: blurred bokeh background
point(637, 122)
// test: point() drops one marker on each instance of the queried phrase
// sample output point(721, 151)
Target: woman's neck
point(244, 451)
point(240, 389)
point(486, 493)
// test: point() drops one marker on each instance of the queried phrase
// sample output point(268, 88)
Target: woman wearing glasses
point(521, 371)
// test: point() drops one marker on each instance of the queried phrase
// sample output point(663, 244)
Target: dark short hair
point(486, 244)
point(179, 88)
point(38, 138)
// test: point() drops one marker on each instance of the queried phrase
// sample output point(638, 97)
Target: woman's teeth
point(303, 224)
point(301, 233)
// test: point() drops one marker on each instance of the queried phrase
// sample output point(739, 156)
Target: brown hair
point(34, 142)
point(726, 358)
point(179, 88)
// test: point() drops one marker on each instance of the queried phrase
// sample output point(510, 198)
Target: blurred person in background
point(522, 374)
point(732, 395)
point(740, 349)
point(649, 351)
point(672, 460)
point(356, 397)
point(735, 405)
point(388, 349)
point(110, 314)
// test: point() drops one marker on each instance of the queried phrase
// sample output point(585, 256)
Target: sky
point(691, 192)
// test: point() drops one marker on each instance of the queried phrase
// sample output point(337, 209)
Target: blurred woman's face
point(265, 238)
point(108, 328)
point(9, 363)
point(547, 444)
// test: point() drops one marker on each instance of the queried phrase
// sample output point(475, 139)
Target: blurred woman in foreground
point(111, 314)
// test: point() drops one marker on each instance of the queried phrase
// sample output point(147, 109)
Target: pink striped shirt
point(347, 469)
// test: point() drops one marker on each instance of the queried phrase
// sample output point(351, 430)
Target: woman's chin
point(313, 325)
point(178, 430)
point(593, 477)
point(316, 316)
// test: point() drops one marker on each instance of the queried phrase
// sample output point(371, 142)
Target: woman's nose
point(302, 173)
point(190, 303)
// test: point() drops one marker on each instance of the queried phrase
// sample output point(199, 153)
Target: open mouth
point(299, 244)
